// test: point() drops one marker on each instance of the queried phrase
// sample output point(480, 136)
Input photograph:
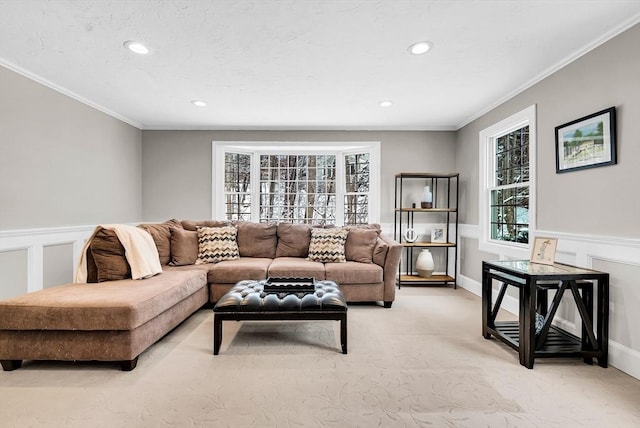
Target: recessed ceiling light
point(385, 103)
point(199, 103)
point(419, 48)
point(136, 47)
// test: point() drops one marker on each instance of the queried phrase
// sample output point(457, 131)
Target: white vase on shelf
point(425, 264)
point(427, 198)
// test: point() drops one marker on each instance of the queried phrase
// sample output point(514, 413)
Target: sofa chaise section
point(107, 321)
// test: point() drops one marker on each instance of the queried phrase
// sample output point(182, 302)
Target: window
point(332, 183)
point(356, 196)
point(510, 189)
point(237, 178)
point(507, 184)
point(298, 188)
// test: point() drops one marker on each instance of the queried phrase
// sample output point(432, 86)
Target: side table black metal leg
point(527, 345)
point(587, 301)
point(603, 320)
point(486, 304)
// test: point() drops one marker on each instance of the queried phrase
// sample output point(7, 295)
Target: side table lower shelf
point(559, 342)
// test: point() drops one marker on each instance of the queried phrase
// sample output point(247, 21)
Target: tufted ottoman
point(248, 301)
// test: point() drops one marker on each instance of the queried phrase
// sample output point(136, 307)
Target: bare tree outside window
point(356, 203)
point(237, 186)
point(510, 193)
point(298, 188)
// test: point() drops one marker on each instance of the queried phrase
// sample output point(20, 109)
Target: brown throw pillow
point(380, 252)
point(92, 269)
point(327, 245)
point(108, 254)
point(293, 240)
point(184, 246)
point(217, 244)
point(257, 239)
point(162, 237)
point(360, 244)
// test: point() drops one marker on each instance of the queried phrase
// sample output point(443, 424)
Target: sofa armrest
point(391, 268)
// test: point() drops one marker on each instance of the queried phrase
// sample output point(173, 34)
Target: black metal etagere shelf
point(444, 209)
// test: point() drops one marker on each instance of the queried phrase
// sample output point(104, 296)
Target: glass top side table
point(534, 281)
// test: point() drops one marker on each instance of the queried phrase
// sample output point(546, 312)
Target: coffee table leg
point(343, 333)
point(217, 334)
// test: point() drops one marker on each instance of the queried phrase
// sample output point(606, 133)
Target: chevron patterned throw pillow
point(327, 245)
point(216, 244)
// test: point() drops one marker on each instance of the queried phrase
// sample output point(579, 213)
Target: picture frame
point(543, 250)
point(439, 233)
point(588, 142)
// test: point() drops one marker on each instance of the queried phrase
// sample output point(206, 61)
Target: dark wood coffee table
point(248, 301)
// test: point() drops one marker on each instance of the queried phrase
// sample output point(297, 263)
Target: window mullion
point(255, 187)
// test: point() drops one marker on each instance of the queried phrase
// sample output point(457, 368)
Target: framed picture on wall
point(543, 250)
point(587, 142)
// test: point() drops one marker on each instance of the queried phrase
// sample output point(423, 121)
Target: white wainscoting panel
point(34, 241)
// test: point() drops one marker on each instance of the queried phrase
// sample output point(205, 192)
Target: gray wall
point(582, 202)
point(176, 165)
point(63, 163)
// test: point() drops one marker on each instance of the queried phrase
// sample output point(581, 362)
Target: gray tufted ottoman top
point(249, 296)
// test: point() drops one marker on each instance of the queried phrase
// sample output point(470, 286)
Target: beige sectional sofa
point(115, 318)
point(282, 250)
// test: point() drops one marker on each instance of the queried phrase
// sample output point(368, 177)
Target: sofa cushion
point(193, 225)
point(380, 252)
point(296, 267)
point(360, 244)
point(327, 245)
point(162, 237)
point(230, 272)
point(184, 246)
point(257, 239)
point(109, 256)
point(118, 305)
point(216, 244)
point(293, 240)
point(354, 273)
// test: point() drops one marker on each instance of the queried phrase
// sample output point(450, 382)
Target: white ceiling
point(301, 64)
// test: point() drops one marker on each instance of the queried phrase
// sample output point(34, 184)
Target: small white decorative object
point(410, 235)
point(424, 264)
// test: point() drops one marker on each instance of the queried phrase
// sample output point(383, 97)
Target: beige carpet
point(422, 363)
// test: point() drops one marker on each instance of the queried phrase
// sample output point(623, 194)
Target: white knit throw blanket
point(140, 251)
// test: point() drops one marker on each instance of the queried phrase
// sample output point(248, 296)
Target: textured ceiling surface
point(300, 64)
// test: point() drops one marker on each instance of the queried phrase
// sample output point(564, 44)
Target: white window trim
point(486, 171)
point(296, 147)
